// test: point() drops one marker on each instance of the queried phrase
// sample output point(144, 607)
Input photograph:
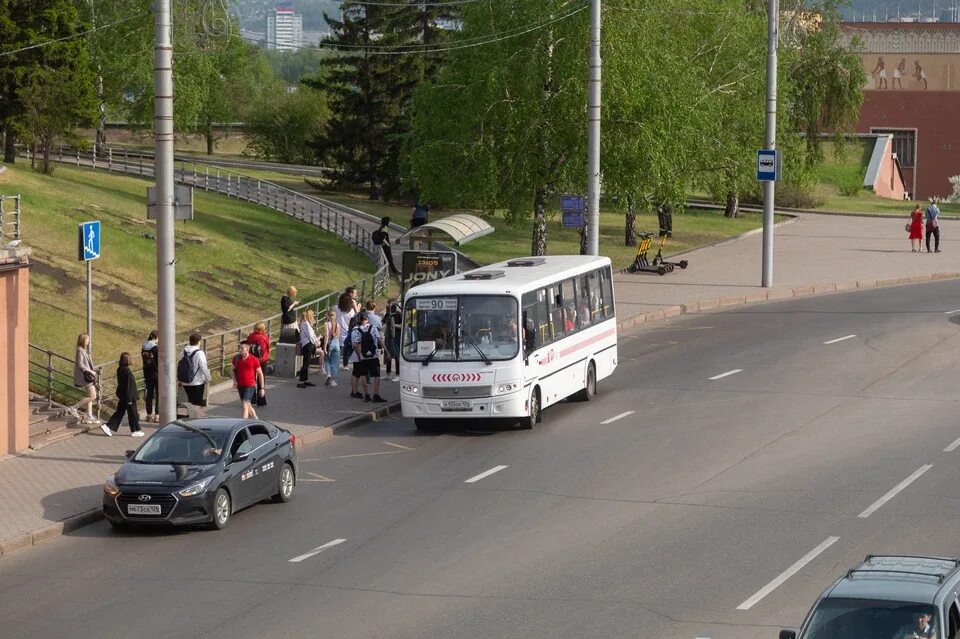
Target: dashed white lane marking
point(616, 417)
point(316, 551)
point(894, 491)
point(727, 374)
point(952, 447)
point(486, 473)
point(398, 446)
point(840, 339)
point(951, 312)
point(316, 477)
point(786, 574)
point(383, 452)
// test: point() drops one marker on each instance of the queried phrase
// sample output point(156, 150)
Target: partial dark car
point(201, 471)
point(888, 597)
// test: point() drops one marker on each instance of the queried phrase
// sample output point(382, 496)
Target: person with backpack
point(421, 213)
point(310, 345)
point(366, 340)
point(381, 238)
point(193, 373)
point(259, 342)
point(127, 397)
point(150, 356)
point(248, 380)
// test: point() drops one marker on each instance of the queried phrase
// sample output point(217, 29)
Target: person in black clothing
point(150, 354)
point(288, 308)
point(421, 213)
point(393, 328)
point(126, 401)
point(381, 238)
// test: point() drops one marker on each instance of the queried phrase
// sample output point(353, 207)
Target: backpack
point(368, 346)
point(187, 367)
point(378, 237)
point(348, 340)
point(256, 350)
point(149, 361)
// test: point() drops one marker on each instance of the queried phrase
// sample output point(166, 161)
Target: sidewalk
point(814, 254)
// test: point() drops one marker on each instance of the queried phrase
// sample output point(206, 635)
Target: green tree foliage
point(502, 125)
point(282, 123)
point(293, 66)
point(28, 106)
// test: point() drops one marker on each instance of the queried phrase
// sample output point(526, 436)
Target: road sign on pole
point(573, 208)
point(768, 165)
point(88, 249)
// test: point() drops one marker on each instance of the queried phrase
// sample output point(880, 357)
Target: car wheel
point(590, 388)
point(535, 415)
point(222, 509)
point(285, 484)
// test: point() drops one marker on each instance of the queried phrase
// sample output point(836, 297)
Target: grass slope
point(234, 260)
point(691, 229)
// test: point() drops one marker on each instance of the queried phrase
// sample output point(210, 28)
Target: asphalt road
point(672, 520)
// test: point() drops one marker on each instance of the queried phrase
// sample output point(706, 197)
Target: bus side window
point(584, 316)
point(606, 294)
point(593, 299)
point(569, 306)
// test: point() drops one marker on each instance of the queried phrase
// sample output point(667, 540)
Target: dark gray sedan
point(201, 471)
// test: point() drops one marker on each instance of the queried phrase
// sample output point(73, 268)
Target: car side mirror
point(788, 634)
point(129, 453)
point(239, 457)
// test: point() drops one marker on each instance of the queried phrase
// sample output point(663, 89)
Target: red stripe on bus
point(588, 342)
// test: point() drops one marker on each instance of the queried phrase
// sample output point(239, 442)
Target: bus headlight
point(507, 388)
point(409, 388)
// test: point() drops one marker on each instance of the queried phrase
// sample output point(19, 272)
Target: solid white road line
point(841, 339)
point(616, 417)
point(316, 551)
point(894, 491)
point(951, 312)
point(952, 447)
point(786, 574)
point(727, 374)
point(398, 446)
point(486, 473)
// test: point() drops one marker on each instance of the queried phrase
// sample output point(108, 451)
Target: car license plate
point(460, 405)
point(143, 509)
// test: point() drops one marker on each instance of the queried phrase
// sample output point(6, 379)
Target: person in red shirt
point(259, 342)
point(247, 378)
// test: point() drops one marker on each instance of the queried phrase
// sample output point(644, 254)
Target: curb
point(772, 295)
point(52, 531)
point(326, 432)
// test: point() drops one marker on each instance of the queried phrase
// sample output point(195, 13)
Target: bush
point(850, 188)
point(796, 197)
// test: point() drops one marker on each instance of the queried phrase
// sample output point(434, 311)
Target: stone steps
point(51, 423)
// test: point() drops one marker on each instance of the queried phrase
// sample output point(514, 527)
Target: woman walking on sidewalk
point(309, 344)
point(126, 401)
point(85, 377)
point(332, 338)
point(150, 354)
point(916, 229)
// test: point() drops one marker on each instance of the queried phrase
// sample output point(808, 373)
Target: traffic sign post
point(573, 207)
point(88, 249)
point(768, 165)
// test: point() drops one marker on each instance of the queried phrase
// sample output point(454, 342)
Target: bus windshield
point(461, 328)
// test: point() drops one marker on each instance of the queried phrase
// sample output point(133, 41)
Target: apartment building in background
point(284, 29)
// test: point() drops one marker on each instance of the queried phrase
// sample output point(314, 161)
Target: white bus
point(507, 340)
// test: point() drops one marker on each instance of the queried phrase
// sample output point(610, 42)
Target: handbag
point(89, 377)
point(907, 227)
point(261, 399)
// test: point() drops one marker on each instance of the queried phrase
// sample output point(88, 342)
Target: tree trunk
point(583, 240)
point(208, 134)
point(539, 244)
point(102, 106)
point(9, 140)
point(33, 156)
point(630, 230)
point(732, 208)
point(46, 165)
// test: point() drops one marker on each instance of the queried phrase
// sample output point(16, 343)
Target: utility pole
point(770, 137)
point(163, 174)
point(593, 133)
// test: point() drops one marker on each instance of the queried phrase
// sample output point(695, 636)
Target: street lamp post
point(163, 174)
point(593, 132)
point(770, 138)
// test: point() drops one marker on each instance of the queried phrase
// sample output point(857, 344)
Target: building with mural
point(913, 94)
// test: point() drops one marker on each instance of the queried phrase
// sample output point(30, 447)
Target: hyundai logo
point(144, 497)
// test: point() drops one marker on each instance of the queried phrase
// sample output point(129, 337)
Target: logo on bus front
point(457, 377)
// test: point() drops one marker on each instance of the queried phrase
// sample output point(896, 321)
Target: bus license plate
point(456, 405)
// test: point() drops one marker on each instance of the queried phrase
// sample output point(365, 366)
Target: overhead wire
point(73, 36)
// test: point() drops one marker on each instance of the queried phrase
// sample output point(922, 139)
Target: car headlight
point(409, 388)
point(195, 488)
point(507, 388)
point(110, 486)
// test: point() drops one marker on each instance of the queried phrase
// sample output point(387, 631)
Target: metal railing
point(51, 374)
point(9, 218)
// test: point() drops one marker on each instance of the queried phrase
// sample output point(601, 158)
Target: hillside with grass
point(234, 260)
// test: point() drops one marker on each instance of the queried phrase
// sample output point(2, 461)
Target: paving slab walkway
point(58, 487)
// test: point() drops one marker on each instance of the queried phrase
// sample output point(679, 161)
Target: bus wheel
point(590, 389)
point(535, 415)
point(427, 425)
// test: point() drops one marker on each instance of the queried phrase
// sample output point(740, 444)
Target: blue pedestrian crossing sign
point(768, 165)
point(88, 241)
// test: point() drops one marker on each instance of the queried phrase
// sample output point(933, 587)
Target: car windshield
point(175, 445)
point(857, 618)
point(464, 328)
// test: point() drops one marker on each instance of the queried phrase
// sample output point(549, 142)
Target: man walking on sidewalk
point(248, 380)
point(933, 225)
point(193, 373)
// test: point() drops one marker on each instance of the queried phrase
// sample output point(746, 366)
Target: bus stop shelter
point(461, 228)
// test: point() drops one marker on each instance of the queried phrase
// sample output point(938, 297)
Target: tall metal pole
point(593, 133)
point(770, 137)
point(90, 307)
point(163, 131)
